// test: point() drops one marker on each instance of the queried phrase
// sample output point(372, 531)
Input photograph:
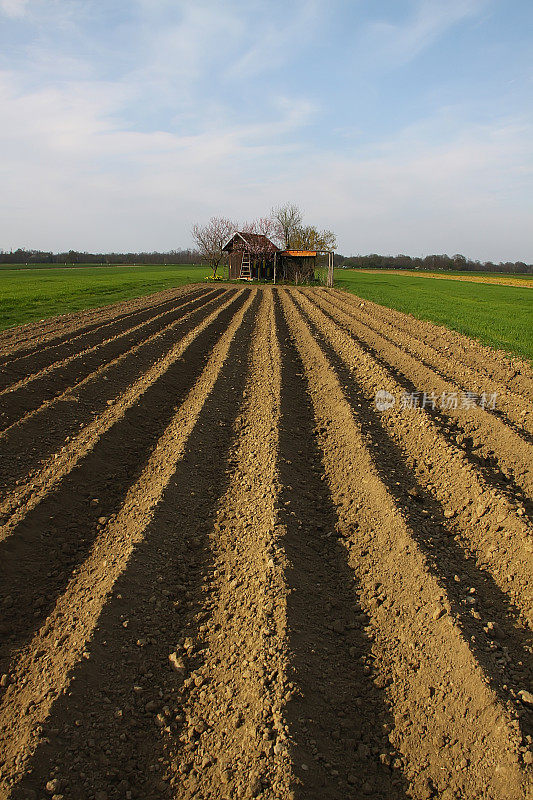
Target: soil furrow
point(495, 443)
point(473, 432)
point(512, 373)
point(55, 332)
point(454, 736)
point(43, 388)
point(94, 410)
point(474, 512)
point(30, 372)
point(338, 719)
point(235, 742)
point(38, 558)
point(499, 637)
point(226, 571)
point(44, 669)
point(513, 409)
point(469, 428)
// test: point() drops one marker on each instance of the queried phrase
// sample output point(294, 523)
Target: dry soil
point(225, 573)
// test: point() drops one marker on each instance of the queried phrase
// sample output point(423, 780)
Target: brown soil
point(457, 351)
point(224, 573)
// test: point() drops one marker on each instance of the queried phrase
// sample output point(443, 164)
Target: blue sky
point(403, 125)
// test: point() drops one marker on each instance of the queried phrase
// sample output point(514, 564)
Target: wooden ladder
point(246, 268)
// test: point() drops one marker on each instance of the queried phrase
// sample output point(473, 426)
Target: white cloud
point(130, 162)
point(71, 172)
point(182, 49)
point(401, 42)
point(75, 177)
point(469, 193)
point(266, 44)
point(13, 8)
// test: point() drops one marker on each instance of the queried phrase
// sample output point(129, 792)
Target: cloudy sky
point(403, 125)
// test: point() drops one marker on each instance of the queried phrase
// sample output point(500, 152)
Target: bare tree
point(211, 238)
point(294, 235)
point(259, 228)
point(265, 226)
point(289, 219)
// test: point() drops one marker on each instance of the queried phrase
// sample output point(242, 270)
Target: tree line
point(434, 262)
point(73, 257)
point(196, 256)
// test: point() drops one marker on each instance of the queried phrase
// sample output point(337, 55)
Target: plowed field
point(225, 573)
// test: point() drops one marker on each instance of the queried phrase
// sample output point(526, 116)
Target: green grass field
point(27, 295)
point(500, 316)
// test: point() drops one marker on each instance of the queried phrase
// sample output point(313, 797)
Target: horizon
point(403, 127)
point(193, 249)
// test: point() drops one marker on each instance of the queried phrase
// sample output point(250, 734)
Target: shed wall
point(298, 268)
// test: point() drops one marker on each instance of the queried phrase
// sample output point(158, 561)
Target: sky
point(405, 126)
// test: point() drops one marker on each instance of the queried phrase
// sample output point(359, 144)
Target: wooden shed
point(252, 256)
point(297, 266)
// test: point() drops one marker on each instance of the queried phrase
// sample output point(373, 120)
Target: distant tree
point(459, 261)
point(268, 226)
point(288, 218)
point(401, 261)
point(211, 238)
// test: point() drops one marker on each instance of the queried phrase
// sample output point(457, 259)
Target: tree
point(211, 238)
point(294, 235)
point(307, 237)
point(265, 226)
point(459, 261)
point(289, 219)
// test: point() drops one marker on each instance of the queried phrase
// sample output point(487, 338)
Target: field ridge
point(225, 571)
